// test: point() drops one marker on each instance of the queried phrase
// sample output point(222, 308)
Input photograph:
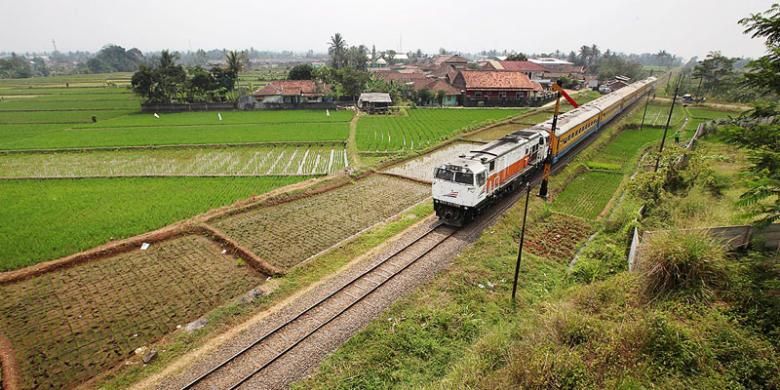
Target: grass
point(421, 128)
point(588, 194)
point(45, 219)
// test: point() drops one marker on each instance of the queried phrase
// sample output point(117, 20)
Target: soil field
point(423, 166)
point(588, 194)
point(69, 325)
point(286, 234)
point(421, 128)
point(293, 160)
point(557, 237)
point(46, 219)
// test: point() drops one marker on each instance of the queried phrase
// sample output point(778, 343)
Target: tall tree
point(517, 57)
point(301, 72)
point(337, 50)
point(761, 135)
point(584, 57)
point(764, 73)
point(716, 72)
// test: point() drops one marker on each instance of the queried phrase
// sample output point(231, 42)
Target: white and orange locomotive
point(469, 183)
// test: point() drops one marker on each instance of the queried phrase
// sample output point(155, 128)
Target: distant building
point(497, 88)
point(444, 65)
point(292, 93)
point(374, 102)
point(533, 70)
point(556, 68)
point(614, 84)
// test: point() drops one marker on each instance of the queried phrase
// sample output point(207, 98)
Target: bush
point(682, 262)
point(671, 347)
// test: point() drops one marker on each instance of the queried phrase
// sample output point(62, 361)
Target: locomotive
point(465, 186)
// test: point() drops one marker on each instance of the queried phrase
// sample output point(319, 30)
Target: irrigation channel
point(266, 353)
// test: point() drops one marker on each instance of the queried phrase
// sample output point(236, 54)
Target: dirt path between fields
point(352, 149)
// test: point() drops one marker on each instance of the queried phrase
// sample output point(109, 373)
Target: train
point(463, 187)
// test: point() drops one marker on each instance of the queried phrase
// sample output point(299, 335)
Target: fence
point(732, 237)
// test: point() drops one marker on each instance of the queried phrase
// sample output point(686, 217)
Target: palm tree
point(167, 59)
point(584, 55)
point(594, 54)
point(234, 62)
point(337, 50)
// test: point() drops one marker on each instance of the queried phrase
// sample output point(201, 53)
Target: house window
point(502, 95)
point(478, 94)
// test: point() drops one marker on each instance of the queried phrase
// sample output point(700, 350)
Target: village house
point(443, 65)
point(452, 95)
point(497, 88)
point(534, 71)
point(557, 68)
point(293, 94)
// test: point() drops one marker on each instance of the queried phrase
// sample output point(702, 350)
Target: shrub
point(682, 262)
point(572, 329)
point(670, 346)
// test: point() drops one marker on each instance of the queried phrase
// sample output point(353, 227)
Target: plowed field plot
point(422, 167)
point(421, 128)
point(557, 237)
point(588, 194)
point(67, 326)
point(289, 233)
point(294, 160)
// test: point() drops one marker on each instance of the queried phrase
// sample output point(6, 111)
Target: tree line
point(168, 82)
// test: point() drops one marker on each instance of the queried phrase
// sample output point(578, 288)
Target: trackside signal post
point(552, 151)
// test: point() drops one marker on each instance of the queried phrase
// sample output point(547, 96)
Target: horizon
point(400, 30)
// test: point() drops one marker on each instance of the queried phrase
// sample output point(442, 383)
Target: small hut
point(375, 102)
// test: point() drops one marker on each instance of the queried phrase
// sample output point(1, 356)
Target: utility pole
point(522, 239)
point(668, 121)
point(647, 103)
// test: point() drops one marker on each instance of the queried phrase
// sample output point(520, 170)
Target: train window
point(465, 178)
point(444, 174)
point(481, 179)
point(492, 165)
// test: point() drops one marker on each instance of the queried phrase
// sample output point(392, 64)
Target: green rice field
point(46, 219)
point(422, 128)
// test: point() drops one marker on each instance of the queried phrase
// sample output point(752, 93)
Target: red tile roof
point(498, 79)
point(293, 88)
point(522, 66)
point(441, 85)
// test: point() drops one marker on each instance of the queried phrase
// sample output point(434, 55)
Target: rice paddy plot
point(421, 128)
point(289, 233)
point(175, 135)
point(588, 194)
point(422, 167)
point(69, 325)
point(46, 219)
point(259, 160)
point(227, 118)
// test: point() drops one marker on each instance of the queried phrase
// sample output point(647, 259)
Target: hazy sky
point(683, 27)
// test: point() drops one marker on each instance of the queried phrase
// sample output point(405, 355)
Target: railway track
point(232, 373)
point(256, 357)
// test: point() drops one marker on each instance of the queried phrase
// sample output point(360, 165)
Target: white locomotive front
point(463, 187)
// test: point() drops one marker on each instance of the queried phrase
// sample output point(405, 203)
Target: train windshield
point(458, 177)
